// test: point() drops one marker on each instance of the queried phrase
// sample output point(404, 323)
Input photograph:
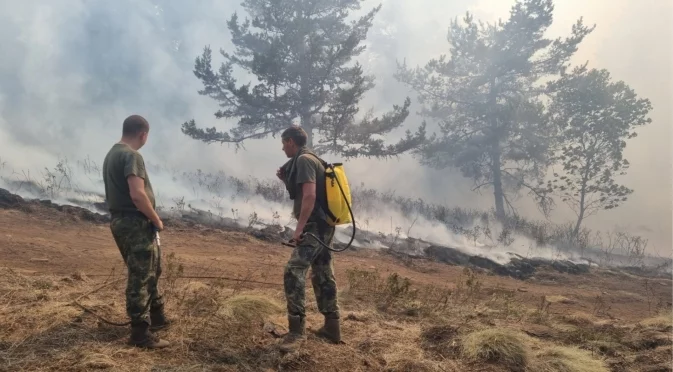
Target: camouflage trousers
point(135, 240)
point(310, 253)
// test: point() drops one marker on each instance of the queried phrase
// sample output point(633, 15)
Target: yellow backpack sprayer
point(338, 200)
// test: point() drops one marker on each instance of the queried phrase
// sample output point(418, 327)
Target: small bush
point(386, 293)
point(248, 308)
point(502, 346)
point(663, 322)
point(565, 359)
point(469, 285)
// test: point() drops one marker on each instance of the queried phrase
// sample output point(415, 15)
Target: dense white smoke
point(72, 71)
point(218, 197)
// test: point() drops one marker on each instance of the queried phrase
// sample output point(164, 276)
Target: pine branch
point(212, 135)
point(301, 55)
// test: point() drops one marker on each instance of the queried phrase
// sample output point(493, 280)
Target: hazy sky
point(634, 41)
point(72, 70)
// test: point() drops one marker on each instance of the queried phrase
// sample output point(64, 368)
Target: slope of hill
point(224, 288)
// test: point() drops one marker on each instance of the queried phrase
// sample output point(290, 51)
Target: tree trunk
point(580, 217)
point(305, 108)
point(495, 155)
point(306, 125)
point(497, 184)
point(582, 207)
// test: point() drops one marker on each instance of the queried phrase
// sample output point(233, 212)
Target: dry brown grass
point(412, 365)
point(497, 345)
point(389, 341)
point(249, 308)
point(602, 333)
point(647, 339)
point(389, 324)
point(663, 322)
point(559, 299)
point(607, 348)
point(565, 359)
point(42, 329)
point(395, 294)
point(577, 318)
point(442, 340)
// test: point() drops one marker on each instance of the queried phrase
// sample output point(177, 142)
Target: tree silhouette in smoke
point(595, 117)
point(300, 52)
point(487, 99)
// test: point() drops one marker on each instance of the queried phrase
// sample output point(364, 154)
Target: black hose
point(352, 220)
point(88, 310)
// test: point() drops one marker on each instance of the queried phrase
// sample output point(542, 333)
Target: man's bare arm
point(307, 204)
point(142, 201)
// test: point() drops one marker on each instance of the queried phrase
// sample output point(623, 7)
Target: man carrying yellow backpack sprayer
point(307, 179)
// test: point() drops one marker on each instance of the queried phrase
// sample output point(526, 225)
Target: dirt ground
point(43, 244)
point(616, 319)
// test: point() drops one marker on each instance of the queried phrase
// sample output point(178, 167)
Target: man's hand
point(280, 175)
point(159, 225)
point(296, 238)
point(142, 201)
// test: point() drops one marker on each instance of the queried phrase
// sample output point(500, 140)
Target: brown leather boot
point(331, 330)
point(142, 337)
point(296, 336)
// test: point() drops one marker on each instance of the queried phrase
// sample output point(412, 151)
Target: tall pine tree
point(301, 53)
point(486, 98)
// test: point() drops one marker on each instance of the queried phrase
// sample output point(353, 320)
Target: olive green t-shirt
point(120, 162)
point(309, 169)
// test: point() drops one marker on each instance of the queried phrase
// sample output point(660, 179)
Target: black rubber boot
point(296, 336)
point(142, 337)
point(331, 331)
point(158, 319)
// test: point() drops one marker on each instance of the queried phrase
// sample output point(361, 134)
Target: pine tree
point(301, 53)
point(596, 117)
point(487, 99)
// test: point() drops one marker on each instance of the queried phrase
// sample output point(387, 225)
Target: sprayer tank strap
point(321, 225)
point(322, 203)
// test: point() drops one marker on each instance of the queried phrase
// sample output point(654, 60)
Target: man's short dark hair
point(297, 134)
point(134, 125)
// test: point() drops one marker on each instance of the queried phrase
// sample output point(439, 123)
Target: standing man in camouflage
point(304, 178)
point(130, 199)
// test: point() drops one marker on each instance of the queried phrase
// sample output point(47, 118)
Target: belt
point(122, 214)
